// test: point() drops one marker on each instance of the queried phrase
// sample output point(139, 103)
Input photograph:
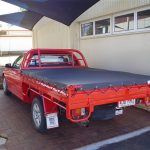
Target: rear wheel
point(5, 87)
point(38, 116)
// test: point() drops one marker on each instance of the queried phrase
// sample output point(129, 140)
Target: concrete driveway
point(16, 125)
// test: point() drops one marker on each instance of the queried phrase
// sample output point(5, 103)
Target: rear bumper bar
point(93, 98)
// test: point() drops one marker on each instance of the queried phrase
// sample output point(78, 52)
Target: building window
point(102, 26)
point(87, 29)
point(136, 21)
point(143, 19)
point(124, 23)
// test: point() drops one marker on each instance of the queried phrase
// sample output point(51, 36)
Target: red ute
point(58, 83)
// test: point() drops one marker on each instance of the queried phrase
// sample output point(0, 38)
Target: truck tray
point(87, 78)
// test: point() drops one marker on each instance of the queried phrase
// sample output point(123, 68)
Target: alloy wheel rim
point(36, 115)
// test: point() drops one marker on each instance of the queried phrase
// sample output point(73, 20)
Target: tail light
point(79, 112)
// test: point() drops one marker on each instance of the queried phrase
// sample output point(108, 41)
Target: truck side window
point(17, 62)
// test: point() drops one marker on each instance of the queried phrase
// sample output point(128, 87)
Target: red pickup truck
point(58, 83)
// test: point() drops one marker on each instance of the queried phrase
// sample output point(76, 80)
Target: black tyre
point(38, 116)
point(5, 87)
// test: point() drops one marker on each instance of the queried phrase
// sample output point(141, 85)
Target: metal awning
point(64, 11)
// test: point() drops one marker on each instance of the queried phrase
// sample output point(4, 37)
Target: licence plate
point(126, 103)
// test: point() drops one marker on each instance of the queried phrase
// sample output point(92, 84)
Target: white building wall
point(15, 43)
point(50, 34)
point(128, 53)
point(75, 35)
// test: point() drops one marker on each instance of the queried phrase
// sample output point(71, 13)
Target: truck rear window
point(51, 60)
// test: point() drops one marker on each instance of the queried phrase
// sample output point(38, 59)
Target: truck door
point(16, 77)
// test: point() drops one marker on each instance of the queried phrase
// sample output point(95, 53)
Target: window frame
point(104, 18)
point(122, 14)
point(94, 33)
point(138, 10)
point(81, 28)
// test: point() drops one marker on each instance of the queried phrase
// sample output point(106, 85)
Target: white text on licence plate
point(126, 103)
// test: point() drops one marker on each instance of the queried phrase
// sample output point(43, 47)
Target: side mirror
point(8, 65)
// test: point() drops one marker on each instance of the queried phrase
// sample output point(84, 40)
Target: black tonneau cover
point(88, 78)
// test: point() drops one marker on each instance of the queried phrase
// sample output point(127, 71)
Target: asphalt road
point(141, 142)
